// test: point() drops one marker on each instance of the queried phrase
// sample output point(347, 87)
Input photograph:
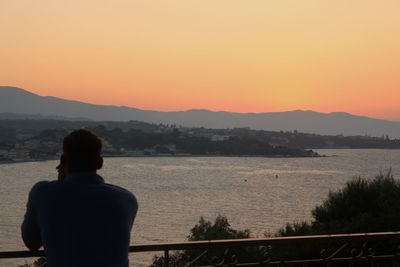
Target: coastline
point(23, 161)
point(173, 156)
point(212, 156)
point(183, 155)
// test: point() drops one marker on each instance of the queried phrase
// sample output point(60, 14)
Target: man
point(79, 219)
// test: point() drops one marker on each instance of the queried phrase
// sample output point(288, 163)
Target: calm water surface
point(174, 192)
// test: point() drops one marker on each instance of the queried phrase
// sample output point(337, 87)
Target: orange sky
point(245, 56)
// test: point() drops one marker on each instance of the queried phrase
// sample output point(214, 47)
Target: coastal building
point(170, 147)
point(149, 152)
point(107, 146)
point(32, 144)
point(219, 138)
point(23, 136)
point(279, 141)
point(19, 153)
point(3, 154)
point(134, 153)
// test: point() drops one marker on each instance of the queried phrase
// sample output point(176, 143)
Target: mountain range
point(17, 103)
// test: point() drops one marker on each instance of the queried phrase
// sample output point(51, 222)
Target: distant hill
point(20, 101)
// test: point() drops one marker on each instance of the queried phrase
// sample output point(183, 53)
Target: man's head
point(82, 152)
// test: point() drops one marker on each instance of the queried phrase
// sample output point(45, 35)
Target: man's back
point(82, 221)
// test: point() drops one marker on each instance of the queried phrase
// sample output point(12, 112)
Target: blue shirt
point(80, 221)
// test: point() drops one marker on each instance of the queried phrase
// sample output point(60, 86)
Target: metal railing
point(370, 249)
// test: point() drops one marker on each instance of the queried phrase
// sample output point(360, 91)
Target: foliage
point(221, 229)
point(41, 262)
point(206, 230)
point(361, 206)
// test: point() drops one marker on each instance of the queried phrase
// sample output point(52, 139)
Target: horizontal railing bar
point(315, 261)
point(231, 243)
point(20, 254)
point(263, 241)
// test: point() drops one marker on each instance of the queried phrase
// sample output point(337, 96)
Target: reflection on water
point(261, 194)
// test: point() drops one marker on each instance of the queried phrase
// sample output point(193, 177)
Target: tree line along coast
point(30, 139)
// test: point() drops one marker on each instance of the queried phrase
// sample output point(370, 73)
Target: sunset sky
point(243, 56)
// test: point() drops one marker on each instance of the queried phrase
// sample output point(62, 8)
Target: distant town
point(31, 140)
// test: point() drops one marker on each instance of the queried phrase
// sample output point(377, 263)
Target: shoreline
point(23, 161)
point(171, 156)
point(212, 156)
point(204, 156)
point(4, 162)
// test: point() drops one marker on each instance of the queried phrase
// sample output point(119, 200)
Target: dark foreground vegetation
point(361, 206)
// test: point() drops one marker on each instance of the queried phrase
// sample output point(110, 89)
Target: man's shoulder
point(42, 186)
point(41, 190)
point(123, 194)
point(120, 190)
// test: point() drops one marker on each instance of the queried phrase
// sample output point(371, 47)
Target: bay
point(256, 193)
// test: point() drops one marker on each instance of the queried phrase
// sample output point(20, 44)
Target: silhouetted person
point(79, 219)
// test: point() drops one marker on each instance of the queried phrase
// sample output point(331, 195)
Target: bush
point(221, 229)
point(206, 230)
point(361, 206)
point(41, 262)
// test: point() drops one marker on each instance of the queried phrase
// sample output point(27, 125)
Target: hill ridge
point(18, 100)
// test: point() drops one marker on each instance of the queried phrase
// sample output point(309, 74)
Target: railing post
point(166, 258)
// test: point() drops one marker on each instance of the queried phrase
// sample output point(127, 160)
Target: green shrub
point(206, 230)
point(40, 262)
point(361, 206)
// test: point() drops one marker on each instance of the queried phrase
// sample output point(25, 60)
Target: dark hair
point(82, 148)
